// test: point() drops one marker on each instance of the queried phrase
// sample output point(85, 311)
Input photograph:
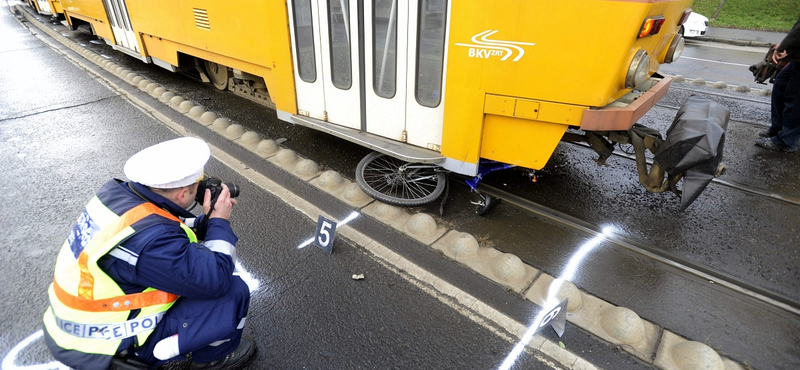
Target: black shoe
point(765, 133)
point(237, 358)
point(769, 144)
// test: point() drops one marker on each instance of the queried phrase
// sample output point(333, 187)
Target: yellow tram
point(431, 85)
point(46, 7)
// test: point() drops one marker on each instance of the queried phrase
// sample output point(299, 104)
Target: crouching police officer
point(132, 280)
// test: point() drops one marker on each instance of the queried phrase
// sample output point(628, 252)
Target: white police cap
point(170, 164)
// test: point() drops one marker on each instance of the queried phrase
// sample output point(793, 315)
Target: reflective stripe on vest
point(110, 331)
point(83, 296)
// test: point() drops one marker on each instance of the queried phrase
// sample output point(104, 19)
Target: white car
point(695, 26)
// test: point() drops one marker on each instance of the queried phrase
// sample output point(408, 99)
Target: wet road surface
point(750, 238)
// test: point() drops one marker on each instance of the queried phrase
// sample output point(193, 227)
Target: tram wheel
point(218, 74)
point(399, 183)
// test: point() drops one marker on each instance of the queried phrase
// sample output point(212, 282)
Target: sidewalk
point(742, 37)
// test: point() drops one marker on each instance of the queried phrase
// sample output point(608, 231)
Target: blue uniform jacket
point(162, 257)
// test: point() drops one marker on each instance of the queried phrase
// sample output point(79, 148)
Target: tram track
point(728, 96)
point(751, 123)
point(774, 301)
point(721, 182)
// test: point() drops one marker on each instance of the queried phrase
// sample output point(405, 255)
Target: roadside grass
point(762, 15)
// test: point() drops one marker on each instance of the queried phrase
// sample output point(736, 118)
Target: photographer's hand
point(224, 205)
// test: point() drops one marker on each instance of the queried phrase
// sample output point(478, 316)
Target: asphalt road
point(718, 62)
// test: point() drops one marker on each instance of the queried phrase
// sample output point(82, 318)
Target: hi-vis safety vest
point(88, 311)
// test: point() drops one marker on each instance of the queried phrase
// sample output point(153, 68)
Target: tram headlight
point(639, 70)
point(675, 49)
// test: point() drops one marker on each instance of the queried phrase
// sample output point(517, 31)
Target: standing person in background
point(784, 132)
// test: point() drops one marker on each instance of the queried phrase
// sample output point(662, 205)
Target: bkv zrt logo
point(483, 47)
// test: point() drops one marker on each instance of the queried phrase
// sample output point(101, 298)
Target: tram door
point(372, 65)
point(44, 7)
point(117, 11)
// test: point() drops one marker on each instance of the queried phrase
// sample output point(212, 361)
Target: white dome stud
point(267, 148)
point(208, 118)
point(387, 211)
point(196, 112)
point(250, 139)
point(221, 124)
point(622, 324)
point(185, 106)
point(507, 268)
point(306, 169)
point(166, 97)
point(176, 101)
point(465, 246)
point(330, 179)
point(286, 157)
point(353, 193)
point(151, 87)
point(564, 289)
point(690, 355)
point(234, 131)
point(158, 91)
point(421, 225)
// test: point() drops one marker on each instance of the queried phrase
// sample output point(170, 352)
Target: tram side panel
point(520, 74)
point(250, 36)
point(92, 12)
point(56, 7)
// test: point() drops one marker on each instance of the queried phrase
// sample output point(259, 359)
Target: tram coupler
point(692, 150)
point(694, 145)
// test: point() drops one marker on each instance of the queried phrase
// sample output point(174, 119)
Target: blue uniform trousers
point(785, 128)
point(200, 322)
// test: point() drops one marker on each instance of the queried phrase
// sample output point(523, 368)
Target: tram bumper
point(693, 147)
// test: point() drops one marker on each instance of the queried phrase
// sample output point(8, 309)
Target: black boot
point(237, 358)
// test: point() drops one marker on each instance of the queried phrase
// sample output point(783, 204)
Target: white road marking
point(551, 301)
point(11, 357)
point(716, 61)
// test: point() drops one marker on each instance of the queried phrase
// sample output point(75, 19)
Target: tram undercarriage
point(692, 151)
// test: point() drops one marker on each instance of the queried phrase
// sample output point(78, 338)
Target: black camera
point(215, 185)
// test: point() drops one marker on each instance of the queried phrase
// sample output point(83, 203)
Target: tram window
point(339, 31)
point(384, 48)
point(304, 38)
point(432, 20)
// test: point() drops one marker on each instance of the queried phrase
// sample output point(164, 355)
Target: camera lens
point(233, 189)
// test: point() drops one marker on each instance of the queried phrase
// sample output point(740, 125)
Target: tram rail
point(751, 123)
point(774, 301)
point(673, 87)
point(722, 182)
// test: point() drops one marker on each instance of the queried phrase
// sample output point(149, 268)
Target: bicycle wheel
point(399, 183)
